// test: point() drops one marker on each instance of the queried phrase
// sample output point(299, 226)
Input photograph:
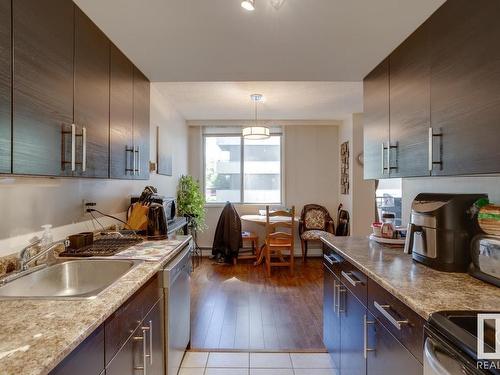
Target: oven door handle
point(432, 365)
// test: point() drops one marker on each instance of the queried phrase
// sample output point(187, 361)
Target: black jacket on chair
point(227, 239)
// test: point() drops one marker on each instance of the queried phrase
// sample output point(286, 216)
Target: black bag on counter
point(227, 239)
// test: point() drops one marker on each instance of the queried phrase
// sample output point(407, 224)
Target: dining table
point(262, 220)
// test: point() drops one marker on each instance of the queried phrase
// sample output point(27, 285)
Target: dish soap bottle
point(47, 237)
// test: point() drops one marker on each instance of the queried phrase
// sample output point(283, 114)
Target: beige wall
point(310, 175)
point(30, 202)
point(476, 184)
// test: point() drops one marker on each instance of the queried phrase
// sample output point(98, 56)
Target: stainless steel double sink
point(67, 279)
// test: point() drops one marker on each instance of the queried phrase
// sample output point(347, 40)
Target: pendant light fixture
point(256, 132)
point(248, 4)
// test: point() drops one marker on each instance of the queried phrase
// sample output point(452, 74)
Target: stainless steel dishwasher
point(176, 280)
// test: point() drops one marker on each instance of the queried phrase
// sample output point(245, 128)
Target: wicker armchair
point(315, 220)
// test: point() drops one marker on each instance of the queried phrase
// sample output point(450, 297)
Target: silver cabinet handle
point(365, 336)
point(334, 295)
point(383, 309)
point(389, 149)
point(382, 158)
point(349, 276)
point(431, 149)
point(138, 160)
point(127, 159)
point(340, 289)
point(134, 166)
point(150, 342)
point(73, 147)
point(330, 260)
point(84, 149)
point(145, 354)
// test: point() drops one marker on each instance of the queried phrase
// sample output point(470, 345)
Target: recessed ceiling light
point(248, 4)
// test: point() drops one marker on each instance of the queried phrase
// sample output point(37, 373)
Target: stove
point(452, 341)
point(103, 247)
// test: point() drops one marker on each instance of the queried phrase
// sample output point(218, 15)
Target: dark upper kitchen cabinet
point(91, 98)
point(121, 115)
point(376, 122)
point(465, 87)
point(437, 99)
point(5, 87)
point(410, 105)
point(141, 125)
point(42, 84)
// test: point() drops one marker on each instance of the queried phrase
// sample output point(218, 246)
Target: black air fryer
point(441, 229)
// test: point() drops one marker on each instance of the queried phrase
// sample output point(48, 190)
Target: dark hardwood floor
point(238, 308)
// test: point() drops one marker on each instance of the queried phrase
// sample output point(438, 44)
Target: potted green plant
point(191, 202)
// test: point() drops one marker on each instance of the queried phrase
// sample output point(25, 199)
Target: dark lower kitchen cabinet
point(331, 317)
point(86, 359)
point(410, 105)
point(359, 341)
point(143, 351)
point(141, 125)
point(465, 87)
point(154, 321)
point(121, 115)
point(385, 354)
point(5, 86)
point(352, 311)
point(43, 41)
point(91, 98)
point(376, 122)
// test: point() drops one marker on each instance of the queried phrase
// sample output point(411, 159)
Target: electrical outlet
point(86, 204)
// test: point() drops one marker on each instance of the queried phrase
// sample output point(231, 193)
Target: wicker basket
point(489, 219)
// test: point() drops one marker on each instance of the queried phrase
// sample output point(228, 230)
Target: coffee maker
point(441, 229)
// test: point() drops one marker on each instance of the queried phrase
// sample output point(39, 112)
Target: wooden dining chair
point(279, 249)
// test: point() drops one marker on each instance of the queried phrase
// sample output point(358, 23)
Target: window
point(388, 197)
point(242, 171)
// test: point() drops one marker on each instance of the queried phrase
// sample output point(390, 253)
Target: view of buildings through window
point(241, 170)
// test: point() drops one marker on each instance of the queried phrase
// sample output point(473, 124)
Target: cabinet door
point(465, 87)
point(91, 97)
point(86, 359)
point(376, 121)
point(43, 84)
point(352, 361)
point(155, 363)
point(121, 115)
point(130, 358)
point(331, 318)
point(5, 87)
point(410, 105)
point(141, 124)
point(387, 355)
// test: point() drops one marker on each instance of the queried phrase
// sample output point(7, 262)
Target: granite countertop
point(35, 335)
point(421, 288)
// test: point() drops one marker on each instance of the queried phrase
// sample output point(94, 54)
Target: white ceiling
point(216, 40)
point(283, 100)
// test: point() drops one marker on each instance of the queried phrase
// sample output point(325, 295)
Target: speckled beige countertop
point(35, 335)
point(421, 288)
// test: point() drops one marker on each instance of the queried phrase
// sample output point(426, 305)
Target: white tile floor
point(218, 363)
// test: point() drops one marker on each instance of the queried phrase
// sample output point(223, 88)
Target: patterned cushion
point(313, 234)
point(314, 219)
